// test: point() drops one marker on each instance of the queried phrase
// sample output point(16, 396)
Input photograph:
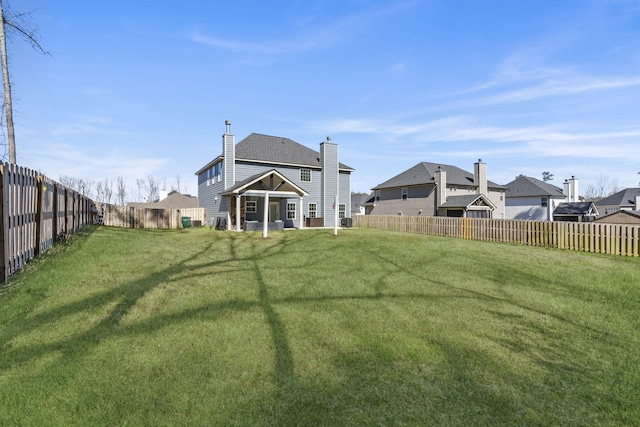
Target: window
point(251, 206)
point(313, 210)
point(377, 195)
point(305, 175)
point(544, 202)
point(342, 210)
point(291, 210)
point(404, 193)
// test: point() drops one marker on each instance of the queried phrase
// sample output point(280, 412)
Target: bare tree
point(107, 185)
point(603, 187)
point(121, 190)
point(152, 188)
point(16, 22)
point(177, 185)
point(99, 192)
point(547, 176)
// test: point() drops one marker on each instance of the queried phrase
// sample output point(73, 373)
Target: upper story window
point(404, 193)
point(305, 175)
point(544, 201)
point(377, 195)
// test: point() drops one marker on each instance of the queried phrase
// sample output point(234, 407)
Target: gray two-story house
point(275, 182)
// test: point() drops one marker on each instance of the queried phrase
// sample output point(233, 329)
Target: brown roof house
point(433, 189)
point(169, 200)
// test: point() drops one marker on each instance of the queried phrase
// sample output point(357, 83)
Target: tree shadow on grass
point(370, 381)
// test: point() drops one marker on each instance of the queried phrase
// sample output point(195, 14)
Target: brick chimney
point(229, 154)
point(480, 177)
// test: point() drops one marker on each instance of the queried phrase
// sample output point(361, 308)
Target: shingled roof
point(525, 186)
point(574, 208)
point(624, 198)
point(424, 173)
point(280, 150)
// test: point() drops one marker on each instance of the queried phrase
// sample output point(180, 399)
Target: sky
point(143, 88)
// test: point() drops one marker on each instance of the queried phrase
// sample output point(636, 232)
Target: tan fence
point(614, 239)
point(35, 212)
point(130, 217)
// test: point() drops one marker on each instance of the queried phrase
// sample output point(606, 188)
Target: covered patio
point(468, 206)
point(265, 201)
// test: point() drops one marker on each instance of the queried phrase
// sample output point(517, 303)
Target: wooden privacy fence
point(130, 217)
point(616, 239)
point(35, 212)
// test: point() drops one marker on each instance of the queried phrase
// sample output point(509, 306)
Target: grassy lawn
point(201, 327)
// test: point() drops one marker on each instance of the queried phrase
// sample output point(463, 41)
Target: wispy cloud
point(316, 38)
point(519, 78)
point(544, 141)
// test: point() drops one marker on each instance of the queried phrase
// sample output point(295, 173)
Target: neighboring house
point(620, 217)
point(169, 200)
point(433, 189)
point(575, 212)
point(274, 182)
point(533, 199)
point(359, 203)
point(625, 200)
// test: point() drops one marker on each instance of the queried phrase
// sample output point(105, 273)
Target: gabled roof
point(359, 199)
point(626, 197)
point(272, 181)
point(424, 173)
point(276, 149)
point(633, 214)
point(575, 208)
point(174, 200)
point(467, 201)
point(525, 186)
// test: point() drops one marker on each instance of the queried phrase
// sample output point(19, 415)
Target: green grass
point(201, 327)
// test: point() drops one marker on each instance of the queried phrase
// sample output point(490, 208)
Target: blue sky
point(138, 88)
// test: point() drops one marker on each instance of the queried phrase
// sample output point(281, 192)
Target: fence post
point(4, 223)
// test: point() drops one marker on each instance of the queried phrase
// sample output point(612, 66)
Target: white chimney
point(441, 186)
point(163, 194)
point(480, 177)
point(637, 206)
point(566, 190)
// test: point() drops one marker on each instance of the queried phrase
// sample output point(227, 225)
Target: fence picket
point(612, 239)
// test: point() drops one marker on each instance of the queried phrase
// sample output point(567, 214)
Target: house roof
point(605, 218)
point(255, 182)
point(424, 173)
point(575, 208)
point(359, 199)
point(626, 197)
point(526, 186)
point(466, 200)
point(274, 150)
point(174, 200)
